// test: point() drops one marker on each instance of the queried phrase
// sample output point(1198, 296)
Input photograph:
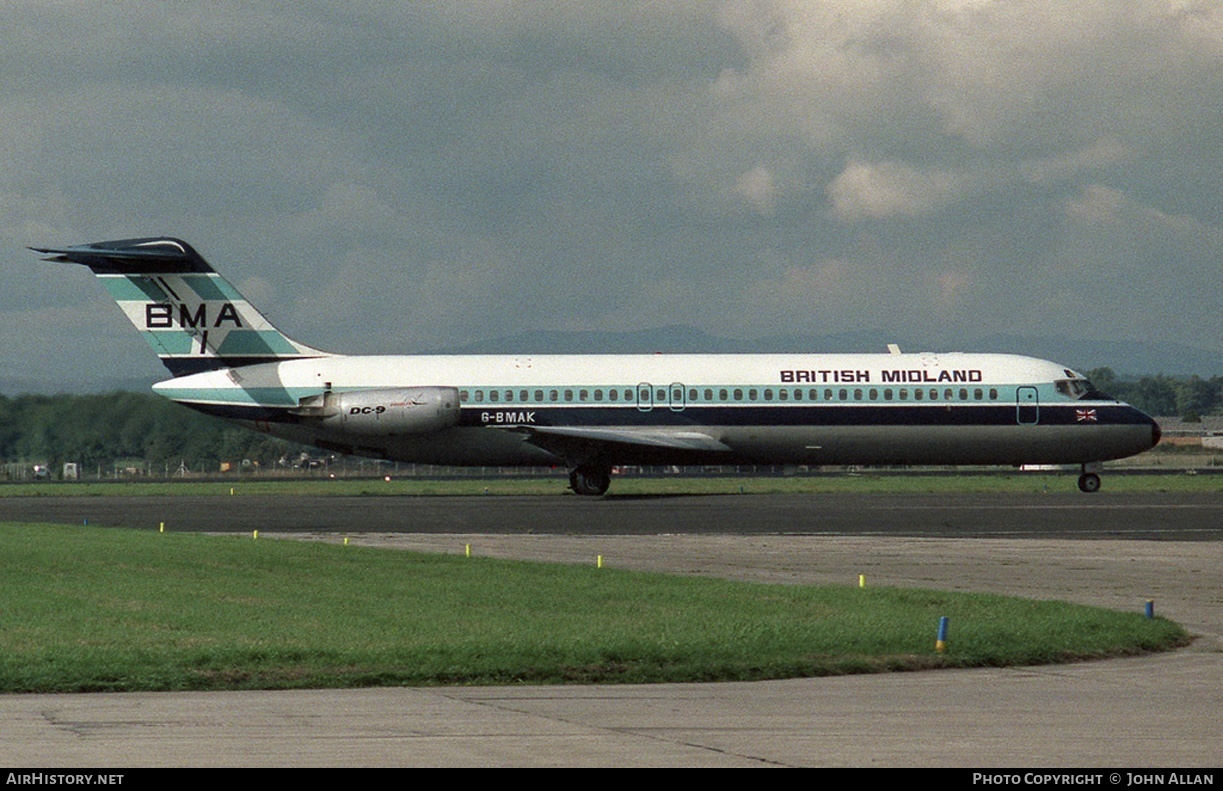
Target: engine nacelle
point(397, 411)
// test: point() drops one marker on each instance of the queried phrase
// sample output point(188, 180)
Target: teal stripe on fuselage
point(824, 394)
point(274, 396)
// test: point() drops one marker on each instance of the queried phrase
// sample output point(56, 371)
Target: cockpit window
point(1073, 388)
point(1080, 389)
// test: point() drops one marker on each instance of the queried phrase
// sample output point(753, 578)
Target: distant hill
point(1128, 358)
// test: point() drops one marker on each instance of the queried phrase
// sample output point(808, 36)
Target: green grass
point(108, 609)
point(667, 485)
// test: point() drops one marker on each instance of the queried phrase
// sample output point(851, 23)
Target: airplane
point(593, 412)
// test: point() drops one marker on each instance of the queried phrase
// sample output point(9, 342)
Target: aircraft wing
point(561, 438)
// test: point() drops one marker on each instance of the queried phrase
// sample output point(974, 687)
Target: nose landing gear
point(1089, 481)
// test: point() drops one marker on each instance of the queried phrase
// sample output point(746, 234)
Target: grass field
point(630, 485)
point(110, 609)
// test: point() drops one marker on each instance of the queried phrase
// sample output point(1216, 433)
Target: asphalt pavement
point(1119, 552)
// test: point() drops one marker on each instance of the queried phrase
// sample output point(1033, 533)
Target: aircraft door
point(677, 397)
point(645, 397)
point(1027, 406)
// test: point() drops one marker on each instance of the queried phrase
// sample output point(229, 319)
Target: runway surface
point(1064, 515)
point(1156, 711)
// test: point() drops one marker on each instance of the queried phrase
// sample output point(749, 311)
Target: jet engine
point(397, 411)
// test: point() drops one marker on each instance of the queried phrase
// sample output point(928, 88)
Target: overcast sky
point(381, 176)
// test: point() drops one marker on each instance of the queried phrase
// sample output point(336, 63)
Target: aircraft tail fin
point(191, 316)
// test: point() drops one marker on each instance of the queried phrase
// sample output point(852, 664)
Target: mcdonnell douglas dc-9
point(592, 412)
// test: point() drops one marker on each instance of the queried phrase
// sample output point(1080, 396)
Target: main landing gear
point(1089, 482)
point(590, 480)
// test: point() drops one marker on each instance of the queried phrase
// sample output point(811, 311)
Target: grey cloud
point(928, 168)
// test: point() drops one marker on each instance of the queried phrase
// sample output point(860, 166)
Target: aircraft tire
point(1089, 483)
point(590, 481)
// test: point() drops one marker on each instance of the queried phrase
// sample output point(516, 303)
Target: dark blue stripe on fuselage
point(738, 416)
point(993, 414)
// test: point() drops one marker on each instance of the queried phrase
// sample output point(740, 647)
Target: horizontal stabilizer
point(150, 255)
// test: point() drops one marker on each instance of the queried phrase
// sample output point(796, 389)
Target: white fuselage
point(590, 412)
point(685, 409)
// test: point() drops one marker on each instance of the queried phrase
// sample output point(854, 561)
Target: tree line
point(97, 431)
point(1189, 398)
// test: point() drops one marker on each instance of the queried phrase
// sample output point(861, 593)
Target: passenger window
point(904, 394)
point(568, 395)
point(857, 394)
point(917, 394)
point(479, 396)
point(509, 396)
point(768, 394)
point(463, 394)
point(539, 396)
point(553, 395)
point(738, 394)
point(708, 395)
point(963, 394)
point(493, 395)
point(874, 394)
point(612, 395)
point(583, 395)
point(783, 394)
point(721, 395)
point(598, 395)
point(844, 394)
point(887, 394)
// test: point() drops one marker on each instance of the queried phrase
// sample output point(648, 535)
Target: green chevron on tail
point(191, 316)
